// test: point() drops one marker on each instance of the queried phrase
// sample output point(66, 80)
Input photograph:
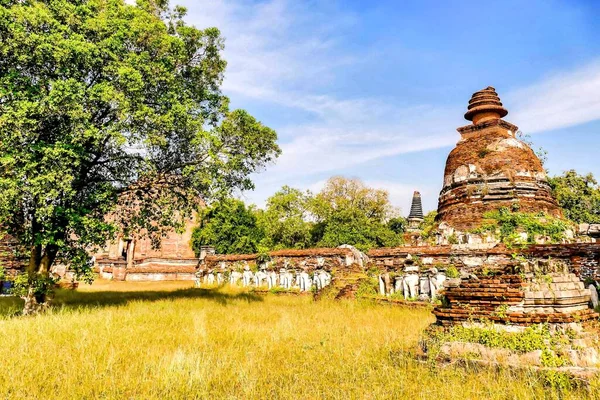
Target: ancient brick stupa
point(491, 168)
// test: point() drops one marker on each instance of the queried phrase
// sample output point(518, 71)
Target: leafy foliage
point(578, 195)
point(534, 337)
point(397, 224)
point(508, 225)
point(452, 272)
point(428, 226)
point(105, 104)
point(285, 220)
point(347, 211)
point(230, 227)
point(344, 212)
point(41, 285)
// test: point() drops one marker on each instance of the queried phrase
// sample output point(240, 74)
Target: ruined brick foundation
point(516, 299)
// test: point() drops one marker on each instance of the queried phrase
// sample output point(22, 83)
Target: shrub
point(507, 224)
point(41, 285)
point(367, 287)
point(452, 272)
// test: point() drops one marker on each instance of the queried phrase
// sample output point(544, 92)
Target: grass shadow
point(10, 306)
point(73, 299)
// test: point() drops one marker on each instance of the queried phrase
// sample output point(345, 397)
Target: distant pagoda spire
point(416, 212)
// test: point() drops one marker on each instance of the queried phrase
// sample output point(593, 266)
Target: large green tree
point(349, 212)
point(286, 220)
point(230, 227)
point(105, 104)
point(578, 195)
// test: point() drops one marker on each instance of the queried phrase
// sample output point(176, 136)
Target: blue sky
point(376, 89)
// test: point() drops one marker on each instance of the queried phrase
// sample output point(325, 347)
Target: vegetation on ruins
point(578, 196)
point(346, 211)
point(540, 152)
point(509, 225)
point(429, 226)
point(552, 345)
point(101, 102)
point(452, 272)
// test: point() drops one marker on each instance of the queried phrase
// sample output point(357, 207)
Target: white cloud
point(285, 53)
point(561, 100)
point(401, 194)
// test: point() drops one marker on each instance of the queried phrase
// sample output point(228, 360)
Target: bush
point(367, 287)
point(507, 224)
point(452, 272)
point(41, 285)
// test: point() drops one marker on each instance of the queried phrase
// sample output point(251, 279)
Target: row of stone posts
point(284, 278)
point(413, 284)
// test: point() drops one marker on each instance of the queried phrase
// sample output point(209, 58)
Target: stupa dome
point(491, 168)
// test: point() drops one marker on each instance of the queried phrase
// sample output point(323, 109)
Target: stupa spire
point(484, 106)
point(416, 208)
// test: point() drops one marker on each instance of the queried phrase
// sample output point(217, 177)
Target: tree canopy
point(349, 212)
point(578, 195)
point(285, 220)
point(104, 103)
point(346, 211)
point(230, 227)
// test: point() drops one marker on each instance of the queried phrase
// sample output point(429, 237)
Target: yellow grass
point(170, 341)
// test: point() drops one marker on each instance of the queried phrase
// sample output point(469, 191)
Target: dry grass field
point(170, 341)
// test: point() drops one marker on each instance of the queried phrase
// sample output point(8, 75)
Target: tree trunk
point(38, 267)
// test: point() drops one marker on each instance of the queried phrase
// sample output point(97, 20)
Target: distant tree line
point(578, 195)
point(345, 211)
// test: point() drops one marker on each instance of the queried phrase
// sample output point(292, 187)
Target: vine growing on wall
point(509, 225)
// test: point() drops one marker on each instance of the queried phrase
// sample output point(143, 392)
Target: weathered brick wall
point(157, 269)
point(173, 245)
point(583, 259)
point(152, 269)
point(516, 299)
point(10, 258)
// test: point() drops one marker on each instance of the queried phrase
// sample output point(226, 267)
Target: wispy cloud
point(286, 54)
point(563, 99)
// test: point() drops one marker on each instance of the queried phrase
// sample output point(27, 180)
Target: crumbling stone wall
point(555, 297)
point(309, 259)
point(582, 259)
point(151, 269)
point(157, 269)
